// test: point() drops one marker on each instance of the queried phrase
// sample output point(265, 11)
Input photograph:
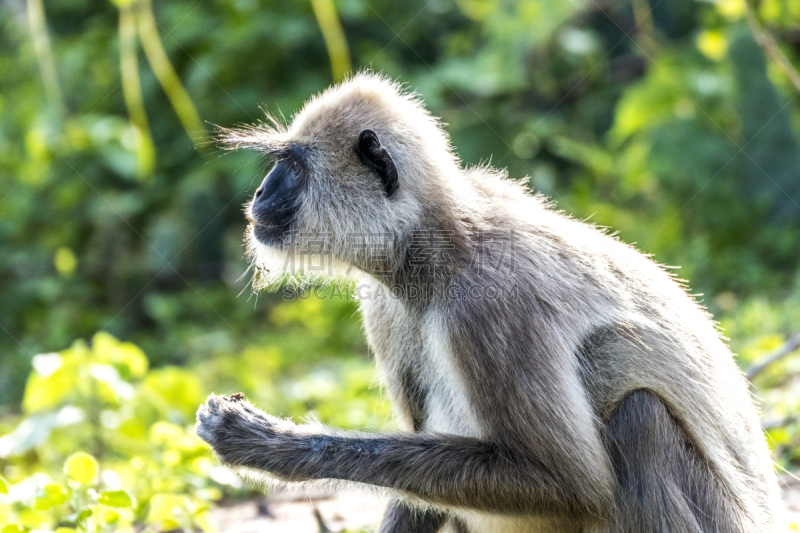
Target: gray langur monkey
point(547, 377)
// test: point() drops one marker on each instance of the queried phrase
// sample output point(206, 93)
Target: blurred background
point(123, 293)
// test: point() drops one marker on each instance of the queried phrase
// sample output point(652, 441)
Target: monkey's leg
point(402, 518)
point(440, 469)
point(665, 485)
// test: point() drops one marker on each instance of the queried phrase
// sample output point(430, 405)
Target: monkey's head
point(358, 169)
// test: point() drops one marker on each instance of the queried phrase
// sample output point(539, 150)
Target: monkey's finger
point(208, 417)
point(204, 432)
point(204, 426)
point(215, 403)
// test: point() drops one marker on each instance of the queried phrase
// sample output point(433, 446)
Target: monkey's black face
point(275, 207)
point(277, 201)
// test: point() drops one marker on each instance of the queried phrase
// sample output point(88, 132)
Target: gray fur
point(571, 385)
point(401, 517)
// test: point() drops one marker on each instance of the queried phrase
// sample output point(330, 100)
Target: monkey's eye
point(296, 168)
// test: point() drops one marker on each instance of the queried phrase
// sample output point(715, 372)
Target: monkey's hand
point(236, 429)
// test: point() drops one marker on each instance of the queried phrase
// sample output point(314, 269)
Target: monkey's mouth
point(260, 229)
point(272, 234)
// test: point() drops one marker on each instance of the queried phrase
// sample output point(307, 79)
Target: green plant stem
point(132, 91)
point(44, 55)
point(94, 408)
point(645, 28)
point(334, 37)
point(167, 77)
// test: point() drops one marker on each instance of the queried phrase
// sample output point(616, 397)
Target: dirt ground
point(294, 511)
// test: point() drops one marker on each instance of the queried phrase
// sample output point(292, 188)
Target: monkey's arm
point(441, 469)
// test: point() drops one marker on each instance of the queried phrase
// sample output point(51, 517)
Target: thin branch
point(771, 48)
point(323, 528)
point(774, 356)
point(782, 423)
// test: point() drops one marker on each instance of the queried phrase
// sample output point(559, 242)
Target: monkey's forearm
point(440, 469)
point(446, 470)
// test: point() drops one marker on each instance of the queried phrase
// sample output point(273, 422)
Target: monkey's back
point(638, 328)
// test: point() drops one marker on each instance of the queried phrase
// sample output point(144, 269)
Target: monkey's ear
point(377, 159)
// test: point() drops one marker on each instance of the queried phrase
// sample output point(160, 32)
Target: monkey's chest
point(448, 405)
point(432, 389)
point(476, 522)
point(419, 369)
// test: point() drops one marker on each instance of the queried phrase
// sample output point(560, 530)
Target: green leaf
point(172, 389)
point(107, 516)
point(129, 360)
point(12, 528)
point(78, 517)
point(115, 498)
point(81, 467)
point(40, 396)
point(165, 510)
point(34, 430)
point(3, 486)
point(51, 495)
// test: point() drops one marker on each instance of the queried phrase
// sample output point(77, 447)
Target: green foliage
point(636, 127)
point(757, 326)
point(146, 466)
point(75, 505)
point(100, 398)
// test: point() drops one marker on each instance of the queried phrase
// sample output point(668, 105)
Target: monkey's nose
point(277, 191)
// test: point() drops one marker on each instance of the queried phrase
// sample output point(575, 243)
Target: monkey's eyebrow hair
point(290, 150)
point(278, 151)
point(265, 140)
